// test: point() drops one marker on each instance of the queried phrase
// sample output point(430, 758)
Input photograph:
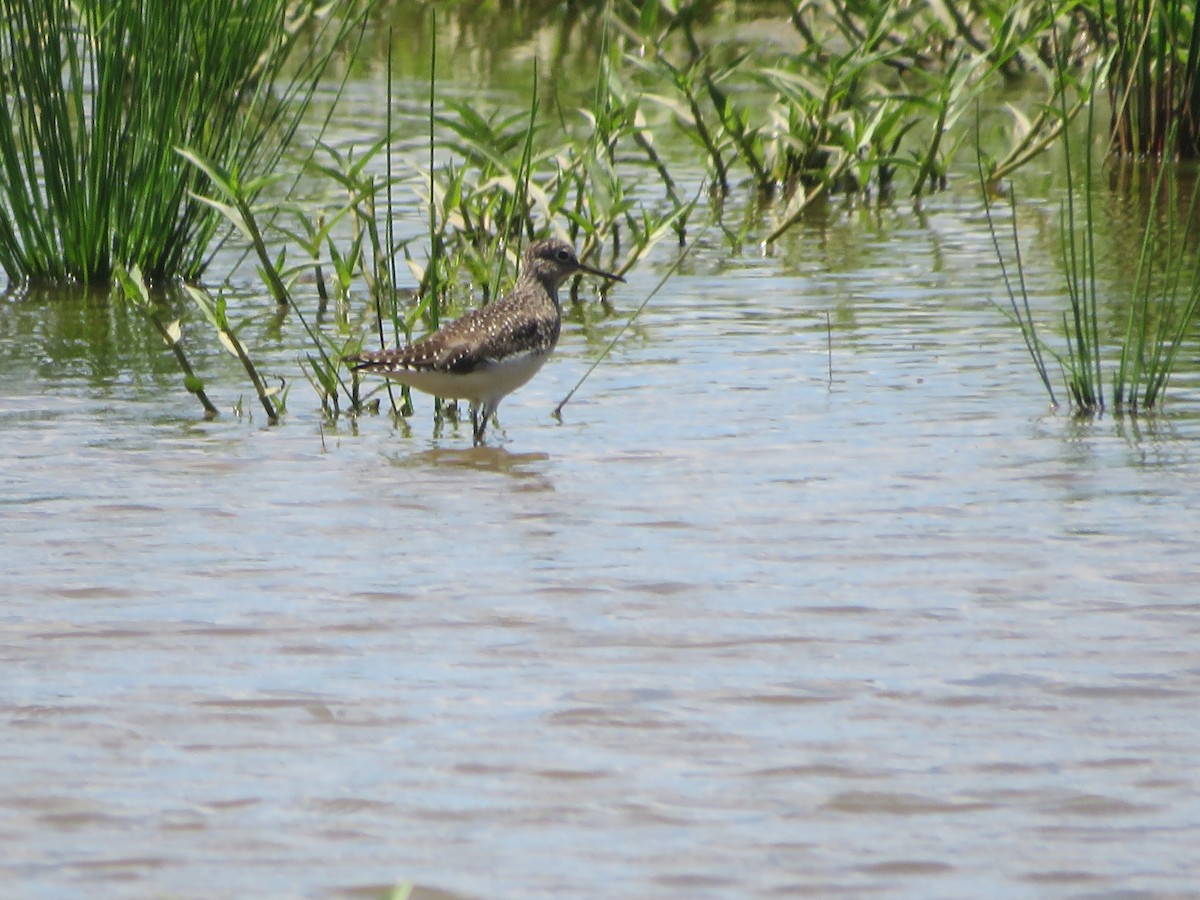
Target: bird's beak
point(609, 275)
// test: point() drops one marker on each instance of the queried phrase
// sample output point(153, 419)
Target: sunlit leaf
point(229, 212)
point(231, 343)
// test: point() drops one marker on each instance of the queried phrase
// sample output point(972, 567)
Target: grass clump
point(99, 93)
point(1154, 76)
point(1160, 307)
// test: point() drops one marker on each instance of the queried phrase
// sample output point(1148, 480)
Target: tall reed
point(1161, 307)
point(1154, 76)
point(1165, 297)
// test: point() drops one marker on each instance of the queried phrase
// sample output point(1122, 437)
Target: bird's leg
point(478, 422)
point(487, 409)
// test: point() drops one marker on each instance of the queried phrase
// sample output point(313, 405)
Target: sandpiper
point(486, 355)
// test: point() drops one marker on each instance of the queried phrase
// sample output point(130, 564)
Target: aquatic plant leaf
point(648, 21)
point(1023, 125)
point(223, 180)
point(229, 212)
point(231, 343)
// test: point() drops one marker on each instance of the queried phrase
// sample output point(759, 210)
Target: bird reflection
point(481, 458)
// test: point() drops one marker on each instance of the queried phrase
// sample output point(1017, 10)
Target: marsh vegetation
point(644, 123)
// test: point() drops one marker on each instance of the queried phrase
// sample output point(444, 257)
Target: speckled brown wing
point(487, 335)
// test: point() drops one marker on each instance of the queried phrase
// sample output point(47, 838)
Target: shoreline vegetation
point(135, 139)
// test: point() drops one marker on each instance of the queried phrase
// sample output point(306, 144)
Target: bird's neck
point(543, 285)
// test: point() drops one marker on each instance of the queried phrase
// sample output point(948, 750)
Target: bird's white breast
point(489, 381)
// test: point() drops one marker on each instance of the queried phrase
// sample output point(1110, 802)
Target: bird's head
point(553, 261)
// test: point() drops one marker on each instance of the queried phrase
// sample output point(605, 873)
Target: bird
point(489, 353)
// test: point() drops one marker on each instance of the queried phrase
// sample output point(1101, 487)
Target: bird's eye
point(563, 255)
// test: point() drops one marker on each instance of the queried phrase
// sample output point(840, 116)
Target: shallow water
point(732, 629)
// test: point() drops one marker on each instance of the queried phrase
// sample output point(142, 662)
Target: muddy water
point(732, 629)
